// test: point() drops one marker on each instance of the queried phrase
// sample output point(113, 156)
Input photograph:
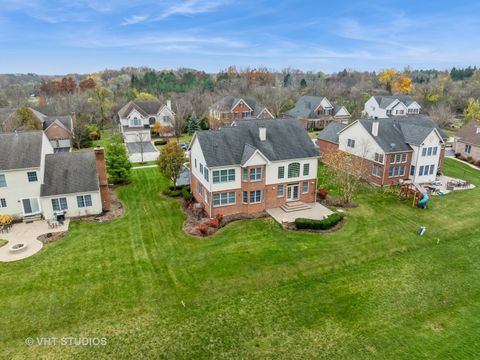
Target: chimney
point(169, 104)
point(262, 133)
point(375, 125)
point(102, 177)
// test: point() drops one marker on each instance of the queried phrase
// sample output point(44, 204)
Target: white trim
point(250, 158)
point(265, 109)
point(241, 99)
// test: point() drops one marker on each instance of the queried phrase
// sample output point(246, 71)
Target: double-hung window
point(468, 149)
point(280, 190)
point(377, 170)
point(59, 204)
point(255, 174)
point(205, 173)
point(281, 172)
point(3, 181)
point(435, 150)
point(306, 169)
point(255, 196)
point(305, 187)
point(350, 143)
point(223, 175)
point(3, 203)
point(84, 201)
point(379, 158)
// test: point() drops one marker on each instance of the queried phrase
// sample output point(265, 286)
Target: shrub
point(172, 193)
point(6, 219)
point(203, 229)
point(457, 155)
point(477, 163)
point(214, 223)
point(160, 142)
point(187, 194)
point(327, 223)
point(470, 160)
point(322, 193)
point(219, 217)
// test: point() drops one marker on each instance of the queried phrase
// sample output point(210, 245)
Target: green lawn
point(374, 289)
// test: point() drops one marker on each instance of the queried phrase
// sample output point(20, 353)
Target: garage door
point(131, 137)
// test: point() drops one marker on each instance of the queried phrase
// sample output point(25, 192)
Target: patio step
point(295, 206)
point(32, 218)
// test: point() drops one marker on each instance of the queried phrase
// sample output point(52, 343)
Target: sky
point(84, 36)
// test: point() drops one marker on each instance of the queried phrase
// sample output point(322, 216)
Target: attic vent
point(393, 146)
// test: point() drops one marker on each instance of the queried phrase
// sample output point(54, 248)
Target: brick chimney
point(102, 177)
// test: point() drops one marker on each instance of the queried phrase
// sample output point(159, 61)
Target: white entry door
point(292, 192)
point(30, 206)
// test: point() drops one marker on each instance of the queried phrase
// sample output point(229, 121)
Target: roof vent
point(262, 133)
point(393, 146)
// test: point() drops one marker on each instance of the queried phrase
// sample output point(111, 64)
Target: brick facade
point(57, 132)
point(269, 195)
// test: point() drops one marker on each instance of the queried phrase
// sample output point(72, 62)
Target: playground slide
point(423, 201)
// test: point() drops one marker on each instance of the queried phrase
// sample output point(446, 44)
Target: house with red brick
point(253, 166)
point(467, 141)
point(396, 148)
point(58, 128)
point(231, 109)
point(316, 112)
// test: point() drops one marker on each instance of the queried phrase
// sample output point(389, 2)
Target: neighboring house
point(59, 129)
point(316, 112)
point(36, 182)
point(253, 166)
point(381, 107)
point(467, 141)
point(394, 149)
point(231, 109)
point(138, 117)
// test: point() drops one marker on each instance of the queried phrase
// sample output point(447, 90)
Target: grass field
point(374, 289)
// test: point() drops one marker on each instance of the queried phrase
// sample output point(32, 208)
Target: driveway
point(26, 234)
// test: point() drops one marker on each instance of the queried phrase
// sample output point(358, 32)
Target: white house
point(253, 166)
point(36, 182)
point(396, 148)
point(381, 107)
point(138, 117)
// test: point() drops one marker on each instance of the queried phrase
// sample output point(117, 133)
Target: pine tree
point(118, 165)
point(193, 124)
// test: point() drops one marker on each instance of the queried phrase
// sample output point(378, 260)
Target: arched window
point(294, 170)
point(151, 120)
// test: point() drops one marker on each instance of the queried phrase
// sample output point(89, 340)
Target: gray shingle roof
point(305, 106)
point(397, 133)
point(65, 120)
point(286, 139)
point(226, 103)
point(70, 173)
point(143, 107)
point(330, 132)
point(385, 101)
point(20, 150)
point(468, 133)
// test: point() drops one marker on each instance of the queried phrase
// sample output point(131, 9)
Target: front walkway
point(317, 212)
point(26, 234)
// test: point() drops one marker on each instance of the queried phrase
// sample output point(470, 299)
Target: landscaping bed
point(116, 209)
point(49, 238)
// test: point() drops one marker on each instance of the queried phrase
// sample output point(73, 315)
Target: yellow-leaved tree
point(402, 85)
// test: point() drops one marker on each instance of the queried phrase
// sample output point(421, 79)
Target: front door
point(292, 192)
point(30, 206)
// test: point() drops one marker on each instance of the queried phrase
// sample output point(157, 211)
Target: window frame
point(59, 206)
point(3, 203)
point(85, 203)
point(32, 176)
point(3, 180)
point(293, 170)
point(306, 169)
point(307, 187)
point(281, 171)
point(280, 194)
point(255, 174)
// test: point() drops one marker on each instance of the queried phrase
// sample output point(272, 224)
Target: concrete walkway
point(144, 167)
point(317, 212)
point(26, 234)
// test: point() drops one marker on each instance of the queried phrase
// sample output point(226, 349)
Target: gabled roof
point(22, 150)
point(330, 132)
point(285, 140)
point(468, 133)
point(145, 108)
point(397, 133)
point(306, 106)
point(386, 101)
point(65, 121)
point(226, 104)
point(70, 173)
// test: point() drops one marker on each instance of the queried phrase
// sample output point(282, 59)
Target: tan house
point(467, 141)
point(231, 109)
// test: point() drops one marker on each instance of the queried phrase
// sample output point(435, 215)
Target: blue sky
point(57, 37)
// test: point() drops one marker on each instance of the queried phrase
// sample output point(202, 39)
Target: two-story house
point(395, 149)
point(253, 166)
point(36, 182)
point(59, 129)
point(316, 112)
point(231, 109)
point(467, 141)
point(381, 107)
point(138, 117)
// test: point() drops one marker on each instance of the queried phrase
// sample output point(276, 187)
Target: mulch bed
point(51, 237)
point(196, 217)
point(329, 201)
point(117, 210)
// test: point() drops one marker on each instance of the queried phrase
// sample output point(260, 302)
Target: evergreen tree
point(118, 165)
point(193, 124)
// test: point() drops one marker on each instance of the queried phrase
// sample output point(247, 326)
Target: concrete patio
point(316, 212)
point(440, 185)
point(26, 234)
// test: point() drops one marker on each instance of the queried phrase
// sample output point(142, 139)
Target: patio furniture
point(52, 224)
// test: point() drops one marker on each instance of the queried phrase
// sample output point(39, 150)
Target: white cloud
point(190, 7)
point(135, 19)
